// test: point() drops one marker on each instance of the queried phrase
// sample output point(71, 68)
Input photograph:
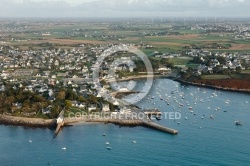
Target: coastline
point(51, 123)
point(27, 122)
point(213, 86)
point(139, 77)
point(184, 82)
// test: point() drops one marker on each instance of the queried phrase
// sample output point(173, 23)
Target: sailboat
point(30, 141)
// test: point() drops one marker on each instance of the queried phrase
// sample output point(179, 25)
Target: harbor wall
point(28, 122)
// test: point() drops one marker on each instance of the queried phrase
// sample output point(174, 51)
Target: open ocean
point(201, 139)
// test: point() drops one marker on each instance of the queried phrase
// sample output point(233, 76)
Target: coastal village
point(42, 78)
point(124, 82)
point(47, 72)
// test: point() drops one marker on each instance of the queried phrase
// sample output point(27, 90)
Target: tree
point(238, 69)
point(61, 95)
point(38, 98)
point(20, 98)
point(26, 105)
point(92, 99)
point(217, 69)
point(2, 102)
point(68, 104)
point(54, 112)
point(221, 59)
point(167, 63)
point(70, 95)
point(197, 60)
point(9, 100)
point(37, 106)
point(81, 99)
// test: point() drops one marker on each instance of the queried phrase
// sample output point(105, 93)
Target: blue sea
point(202, 140)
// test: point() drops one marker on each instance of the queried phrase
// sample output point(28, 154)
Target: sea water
point(202, 140)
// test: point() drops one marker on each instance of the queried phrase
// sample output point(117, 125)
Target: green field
point(245, 71)
point(180, 60)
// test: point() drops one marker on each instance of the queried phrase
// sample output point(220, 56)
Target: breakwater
point(28, 122)
point(159, 127)
point(131, 123)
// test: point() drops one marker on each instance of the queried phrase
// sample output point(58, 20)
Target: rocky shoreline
point(27, 122)
point(51, 123)
point(214, 87)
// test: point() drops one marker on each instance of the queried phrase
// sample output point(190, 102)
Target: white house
point(92, 107)
point(56, 63)
point(116, 103)
point(59, 120)
point(105, 108)
point(164, 69)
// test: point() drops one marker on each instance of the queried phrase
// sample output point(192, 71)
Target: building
point(105, 108)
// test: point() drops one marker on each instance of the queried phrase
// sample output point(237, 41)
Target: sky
point(124, 8)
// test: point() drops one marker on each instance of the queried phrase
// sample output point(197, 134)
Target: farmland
point(167, 37)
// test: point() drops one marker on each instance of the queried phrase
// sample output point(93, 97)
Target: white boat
point(30, 141)
point(109, 148)
point(238, 123)
point(107, 143)
point(134, 142)
point(64, 148)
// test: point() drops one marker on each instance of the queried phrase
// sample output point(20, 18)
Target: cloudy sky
point(124, 8)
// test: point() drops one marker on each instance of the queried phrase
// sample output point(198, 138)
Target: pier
point(125, 122)
point(156, 126)
point(150, 112)
point(123, 93)
point(60, 122)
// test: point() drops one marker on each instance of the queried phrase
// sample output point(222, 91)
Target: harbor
point(129, 123)
point(131, 119)
point(88, 136)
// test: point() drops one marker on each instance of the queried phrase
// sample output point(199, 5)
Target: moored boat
point(238, 123)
